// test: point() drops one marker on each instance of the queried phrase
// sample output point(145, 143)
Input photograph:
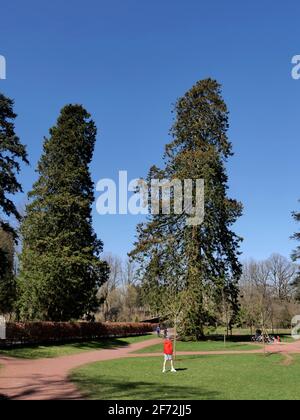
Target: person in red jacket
point(168, 354)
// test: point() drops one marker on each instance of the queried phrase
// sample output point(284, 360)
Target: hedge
point(60, 332)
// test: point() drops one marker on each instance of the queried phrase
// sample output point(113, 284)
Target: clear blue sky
point(128, 60)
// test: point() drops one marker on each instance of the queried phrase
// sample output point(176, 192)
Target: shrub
point(60, 332)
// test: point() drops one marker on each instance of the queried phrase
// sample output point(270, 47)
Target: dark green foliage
point(11, 153)
point(7, 273)
point(296, 255)
point(60, 267)
point(196, 264)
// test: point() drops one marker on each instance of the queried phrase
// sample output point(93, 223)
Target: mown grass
point(226, 377)
point(50, 351)
point(209, 345)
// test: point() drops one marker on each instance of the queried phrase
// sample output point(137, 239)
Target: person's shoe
point(174, 371)
point(164, 371)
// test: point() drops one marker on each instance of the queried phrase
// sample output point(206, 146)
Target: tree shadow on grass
point(109, 343)
point(38, 351)
point(230, 339)
point(101, 389)
point(242, 338)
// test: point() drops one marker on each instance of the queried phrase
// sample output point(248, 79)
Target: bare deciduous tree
point(267, 292)
point(121, 295)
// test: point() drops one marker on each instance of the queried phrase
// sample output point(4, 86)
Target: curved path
point(47, 379)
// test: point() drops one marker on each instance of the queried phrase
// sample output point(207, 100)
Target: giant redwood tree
point(296, 254)
point(196, 263)
point(8, 294)
point(12, 153)
point(61, 270)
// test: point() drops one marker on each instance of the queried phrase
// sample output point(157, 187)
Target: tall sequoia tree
point(12, 153)
point(7, 273)
point(198, 262)
point(61, 270)
point(296, 254)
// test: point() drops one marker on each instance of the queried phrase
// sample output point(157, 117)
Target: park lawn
point(226, 377)
point(50, 351)
point(245, 331)
point(287, 338)
point(244, 334)
point(210, 345)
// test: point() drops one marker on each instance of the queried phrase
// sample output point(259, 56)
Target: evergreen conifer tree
point(12, 153)
point(199, 262)
point(61, 270)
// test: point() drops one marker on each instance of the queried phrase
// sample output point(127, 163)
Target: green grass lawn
point(243, 334)
point(287, 338)
point(216, 345)
point(245, 331)
point(231, 377)
point(37, 352)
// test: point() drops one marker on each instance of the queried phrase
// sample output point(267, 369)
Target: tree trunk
point(175, 338)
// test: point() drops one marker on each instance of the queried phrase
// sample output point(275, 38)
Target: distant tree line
point(121, 295)
point(269, 293)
